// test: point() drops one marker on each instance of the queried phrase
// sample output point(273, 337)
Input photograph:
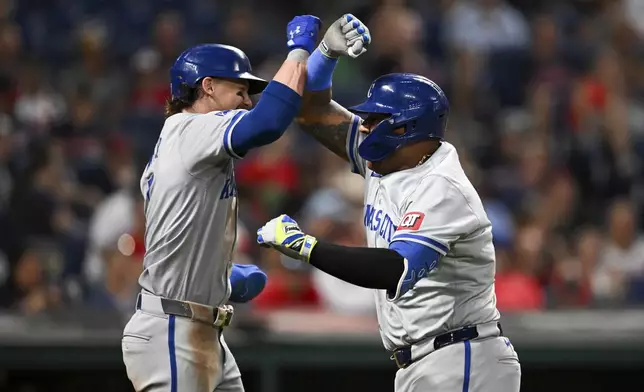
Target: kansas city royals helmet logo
point(370, 90)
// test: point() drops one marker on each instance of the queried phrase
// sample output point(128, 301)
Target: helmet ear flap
point(188, 93)
point(411, 126)
point(185, 91)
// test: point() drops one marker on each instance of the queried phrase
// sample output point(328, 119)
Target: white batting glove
point(284, 235)
point(347, 36)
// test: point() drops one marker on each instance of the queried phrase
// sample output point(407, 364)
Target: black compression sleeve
point(373, 268)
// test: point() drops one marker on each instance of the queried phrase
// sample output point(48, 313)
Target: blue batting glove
point(247, 282)
point(302, 32)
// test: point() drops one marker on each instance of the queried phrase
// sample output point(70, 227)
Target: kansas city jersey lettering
point(379, 221)
point(229, 190)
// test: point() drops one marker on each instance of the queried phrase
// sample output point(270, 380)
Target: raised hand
point(347, 36)
point(302, 32)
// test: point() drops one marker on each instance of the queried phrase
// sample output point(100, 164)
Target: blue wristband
point(319, 71)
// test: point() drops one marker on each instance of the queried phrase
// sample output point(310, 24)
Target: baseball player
point(430, 256)
point(174, 340)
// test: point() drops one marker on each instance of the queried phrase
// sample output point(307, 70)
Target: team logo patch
point(411, 221)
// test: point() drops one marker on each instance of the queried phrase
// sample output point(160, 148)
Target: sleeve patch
point(411, 221)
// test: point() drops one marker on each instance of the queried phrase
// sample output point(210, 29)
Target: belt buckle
point(224, 316)
point(397, 360)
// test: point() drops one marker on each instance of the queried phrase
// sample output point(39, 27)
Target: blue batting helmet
point(411, 101)
point(214, 60)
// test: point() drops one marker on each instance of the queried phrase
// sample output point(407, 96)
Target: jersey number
point(149, 183)
point(150, 179)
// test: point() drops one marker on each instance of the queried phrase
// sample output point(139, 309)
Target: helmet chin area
point(374, 151)
point(379, 144)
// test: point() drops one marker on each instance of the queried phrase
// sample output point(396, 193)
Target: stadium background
point(547, 112)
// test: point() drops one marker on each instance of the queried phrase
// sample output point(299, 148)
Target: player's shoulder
point(200, 120)
point(444, 169)
point(226, 113)
point(437, 171)
point(216, 114)
point(442, 175)
point(449, 181)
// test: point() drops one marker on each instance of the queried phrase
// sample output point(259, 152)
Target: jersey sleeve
point(434, 216)
point(354, 138)
point(206, 138)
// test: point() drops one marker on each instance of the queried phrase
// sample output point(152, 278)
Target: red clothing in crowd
point(516, 292)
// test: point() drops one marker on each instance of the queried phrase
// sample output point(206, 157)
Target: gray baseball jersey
point(191, 209)
point(434, 205)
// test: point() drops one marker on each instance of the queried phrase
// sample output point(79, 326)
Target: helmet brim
point(255, 85)
point(372, 107)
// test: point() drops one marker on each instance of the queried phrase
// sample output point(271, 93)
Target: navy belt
point(403, 356)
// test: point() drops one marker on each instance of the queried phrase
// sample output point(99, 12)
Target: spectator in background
point(10, 47)
point(113, 217)
point(41, 204)
point(33, 286)
point(242, 30)
point(10, 246)
point(474, 30)
point(570, 284)
point(335, 174)
point(399, 31)
point(6, 176)
point(94, 75)
point(270, 178)
point(244, 246)
point(482, 26)
point(119, 288)
point(633, 11)
point(150, 90)
point(81, 136)
point(504, 179)
point(10, 63)
point(503, 225)
point(602, 157)
point(168, 37)
point(517, 285)
point(329, 216)
point(289, 284)
point(122, 263)
point(548, 65)
point(37, 106)
point(622, 257)
point(556, 205)
point(520, 171)
point(147, 96)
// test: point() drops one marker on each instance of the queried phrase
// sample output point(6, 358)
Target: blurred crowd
point(547, 113)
